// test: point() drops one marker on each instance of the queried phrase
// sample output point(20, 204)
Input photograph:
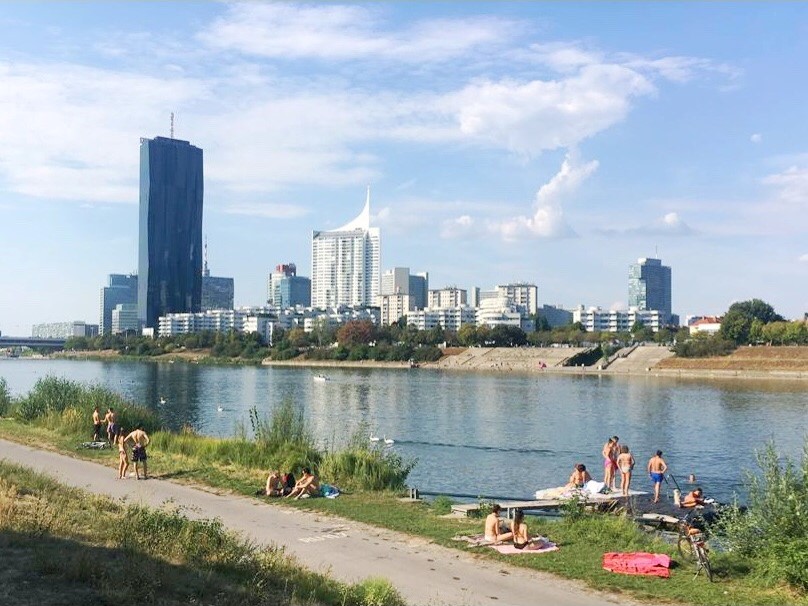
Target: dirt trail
point(425, 574)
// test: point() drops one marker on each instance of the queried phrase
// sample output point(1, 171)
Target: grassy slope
point(81, 548)
point(788, 358)
point(582, 544)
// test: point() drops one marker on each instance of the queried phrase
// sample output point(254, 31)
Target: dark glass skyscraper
point(649, 286)
point(122, 289)
point(170, 242)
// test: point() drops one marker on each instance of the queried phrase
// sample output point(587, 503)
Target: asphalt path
point(424, 573)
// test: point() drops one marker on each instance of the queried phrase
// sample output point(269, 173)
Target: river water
point(480, 434)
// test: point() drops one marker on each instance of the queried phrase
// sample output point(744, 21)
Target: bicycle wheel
point(685, 549)
point(704, 562)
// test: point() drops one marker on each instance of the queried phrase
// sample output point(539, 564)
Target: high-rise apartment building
point(649, 287)
point(170, 239)
point(446, 298)
point(521, 294)
point(122, 290)
point(345, 263)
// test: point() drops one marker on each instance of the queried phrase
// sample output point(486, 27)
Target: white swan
point(374, 438)
point(388, 440)
point(219, 408)
point(162, 400)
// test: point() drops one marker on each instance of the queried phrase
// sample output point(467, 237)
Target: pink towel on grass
point(644, 564)
point(542, 547)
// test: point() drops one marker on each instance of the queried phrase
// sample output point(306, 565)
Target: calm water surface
point(477, 433)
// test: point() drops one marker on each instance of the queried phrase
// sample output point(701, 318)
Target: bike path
point(424, 573)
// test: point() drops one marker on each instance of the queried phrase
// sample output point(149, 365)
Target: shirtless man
point(492, 533)
point(307, 485)
point(694, 498)
point(610, 451)
point(112, 428)
point(580, 476)
point(656, 469)
point(139, 440)
point(274, 487)
point(96, 425)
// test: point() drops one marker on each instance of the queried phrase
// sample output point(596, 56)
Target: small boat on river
point(320, 378)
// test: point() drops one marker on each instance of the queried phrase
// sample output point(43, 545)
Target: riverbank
point(410, 544)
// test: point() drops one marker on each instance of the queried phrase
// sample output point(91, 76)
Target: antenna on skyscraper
point(656, 251)
point(172, 125)
point(205, 270)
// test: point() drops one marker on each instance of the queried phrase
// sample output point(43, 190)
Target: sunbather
point(308, 485)
point(580, 476)
point(274, 487)
point(694, 498)
point(521, 538)
point(492, 528)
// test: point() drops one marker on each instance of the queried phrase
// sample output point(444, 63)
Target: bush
point(773, 530)
point(442, 505)
point(5, 398)
point(703, 347)
point(376, 592)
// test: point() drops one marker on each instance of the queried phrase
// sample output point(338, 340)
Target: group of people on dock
point(117, 436)
point(618, 457)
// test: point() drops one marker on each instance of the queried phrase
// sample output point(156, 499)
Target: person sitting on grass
point(307, 486)
point(694, 498)
point(274, 487)
point(580, 476)
point(492, 528)
point(521, 538)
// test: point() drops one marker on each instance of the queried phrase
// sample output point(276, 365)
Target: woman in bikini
point(625, 463)
point(609, 452)
point(123, 456)
point(521, 539)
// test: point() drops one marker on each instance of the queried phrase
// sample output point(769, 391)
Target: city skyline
point(553, 144)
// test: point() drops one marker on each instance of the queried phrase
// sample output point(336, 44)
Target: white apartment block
point(447, 318)
point(396, 280)
point(616, 320)
point(521, 294)
point(500, 311)
point(394, 306)
point(345, 264)
point(446, 298)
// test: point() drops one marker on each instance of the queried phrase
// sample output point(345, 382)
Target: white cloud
point(756, 138)
point(670, 224)
point(548, 219)
point(791, 185)
point(803, 258)
point(343, 32)
point(459, 227)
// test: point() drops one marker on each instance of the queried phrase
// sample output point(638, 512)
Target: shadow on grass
point(47, 570)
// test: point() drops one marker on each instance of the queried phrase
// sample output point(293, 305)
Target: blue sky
point(546, 142)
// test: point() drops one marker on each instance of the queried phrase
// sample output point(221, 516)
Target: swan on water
point(374, 438)
point(388, 440)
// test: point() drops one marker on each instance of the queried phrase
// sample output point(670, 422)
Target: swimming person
point(625, 463)
point(580, 476)
point(693, 498)
point(609, 452)
point(492, 532)
point(656, 469)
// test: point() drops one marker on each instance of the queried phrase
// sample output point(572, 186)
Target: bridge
point(32, 342)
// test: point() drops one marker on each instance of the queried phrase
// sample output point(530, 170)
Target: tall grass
point(773, 530)
point(5, 397)
point(282, 440)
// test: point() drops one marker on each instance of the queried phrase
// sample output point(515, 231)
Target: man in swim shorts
point(140, 441)
point(656, 469)
point(112, 427)
point(492, 533)
point(96, 425)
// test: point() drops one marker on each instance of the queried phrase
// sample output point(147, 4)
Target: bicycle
point(692, 547)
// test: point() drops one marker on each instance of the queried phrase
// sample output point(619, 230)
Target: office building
point(649, 287)
point(345, 264)
point(64, 330)
point(217, 293)
point(122, 289)
point(396, 281)
point(286, 289)
point(170, 238)
point(419, 290)
point(399, 281)
point(125, 319)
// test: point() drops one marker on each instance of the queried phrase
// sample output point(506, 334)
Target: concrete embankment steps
point(640, 359)
point(509, 358)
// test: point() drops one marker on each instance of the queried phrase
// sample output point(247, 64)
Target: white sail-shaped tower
point(345, 263)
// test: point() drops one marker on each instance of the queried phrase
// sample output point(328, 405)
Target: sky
point(554, 143)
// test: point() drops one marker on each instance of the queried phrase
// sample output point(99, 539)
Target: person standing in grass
point(123, 455)
point(139, 440)
point(112, 428)
point(656, 469)
point(96, 425)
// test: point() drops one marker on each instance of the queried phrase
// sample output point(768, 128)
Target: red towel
point(645, 564)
